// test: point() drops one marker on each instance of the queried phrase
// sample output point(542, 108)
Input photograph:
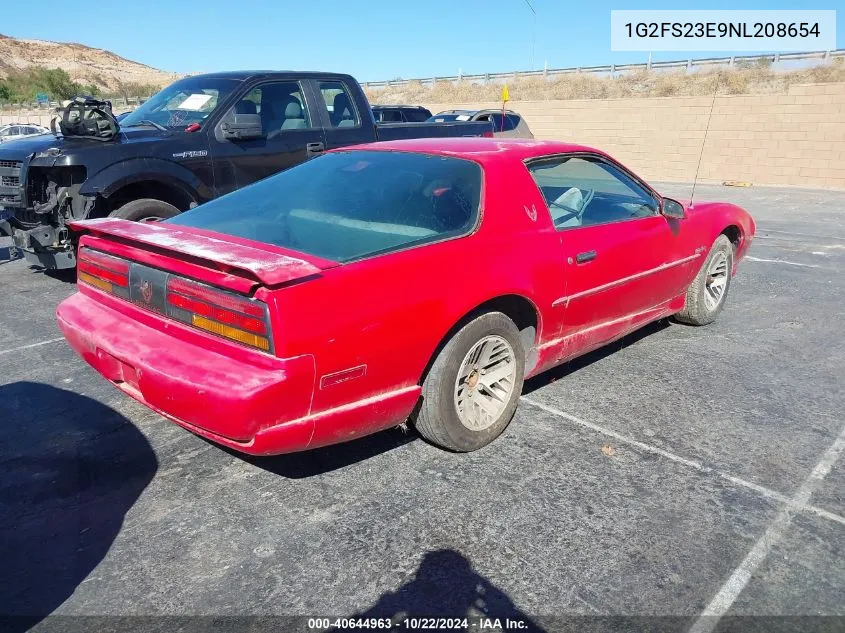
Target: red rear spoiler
point(270, 264)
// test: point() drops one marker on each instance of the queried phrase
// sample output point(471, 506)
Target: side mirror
point(673, 209)
point(241, 127)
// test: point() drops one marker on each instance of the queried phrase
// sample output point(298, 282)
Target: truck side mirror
point(240, 127)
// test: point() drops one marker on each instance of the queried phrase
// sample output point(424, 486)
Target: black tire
point(436, 418)
point(145, 210)
point(696, 311)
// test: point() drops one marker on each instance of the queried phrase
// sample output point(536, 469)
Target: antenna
point(703, 143)
point(533, 33)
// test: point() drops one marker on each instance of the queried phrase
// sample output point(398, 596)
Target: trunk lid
point(205, 280)
point(234, 257)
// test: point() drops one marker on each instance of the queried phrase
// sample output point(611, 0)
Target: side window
point(339, 104)
point(6, 132)
point(280, 104)
point(584, 191)
point(511, 121)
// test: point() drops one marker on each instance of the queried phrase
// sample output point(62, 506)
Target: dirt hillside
point(84, 64)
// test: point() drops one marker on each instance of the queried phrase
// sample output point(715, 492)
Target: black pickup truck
point(199, 138)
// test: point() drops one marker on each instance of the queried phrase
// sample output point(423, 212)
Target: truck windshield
point(348, 205)
point(190, 100)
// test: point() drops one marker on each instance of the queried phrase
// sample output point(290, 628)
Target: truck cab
point(199, 138)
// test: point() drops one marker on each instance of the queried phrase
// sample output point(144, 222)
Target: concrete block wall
point(779, 139)
point(41, 117)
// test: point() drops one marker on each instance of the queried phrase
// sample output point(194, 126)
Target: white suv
point(19, 130)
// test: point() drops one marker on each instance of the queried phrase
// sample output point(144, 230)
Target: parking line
point(761, 490)
point(31, 345)
point(780, 261)
point(820, 237)
point(734, 585)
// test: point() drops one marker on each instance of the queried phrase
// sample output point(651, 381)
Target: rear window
point(417, 115)
point(387, 115)
point(511, 122)
point(349, 205)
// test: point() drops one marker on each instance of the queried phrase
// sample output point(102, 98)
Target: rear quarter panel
point(387, 315)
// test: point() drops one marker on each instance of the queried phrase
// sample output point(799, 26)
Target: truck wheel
point(145, 210)
point(471, 392)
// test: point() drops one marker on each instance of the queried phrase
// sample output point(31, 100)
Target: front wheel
point(471, 392)
point(145, 210)
point(708, 292)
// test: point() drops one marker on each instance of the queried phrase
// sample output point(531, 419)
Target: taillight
point(236, 318)
point(109, 274)
point(487, 133)
point(205, 307)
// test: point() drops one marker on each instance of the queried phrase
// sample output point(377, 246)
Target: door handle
point(314, 148)
point(586, 256)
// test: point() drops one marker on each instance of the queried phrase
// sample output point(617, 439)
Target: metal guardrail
point(615, 70)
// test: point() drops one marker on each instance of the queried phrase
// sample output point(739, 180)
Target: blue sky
point(372, 40)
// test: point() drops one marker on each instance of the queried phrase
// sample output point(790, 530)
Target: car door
point(620, 256)
point(291, 135)
point(344, 124)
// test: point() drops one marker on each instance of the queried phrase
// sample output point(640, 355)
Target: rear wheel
point(145, 210)
point(707, 295)
point(472, 390)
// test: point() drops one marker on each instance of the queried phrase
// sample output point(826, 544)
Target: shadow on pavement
point(72, 467)
point(446, 586)
point(318, 461)
point(66, 275)
point(549, 376)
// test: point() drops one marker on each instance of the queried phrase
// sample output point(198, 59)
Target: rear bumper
point(260, 408)
point(225, 398)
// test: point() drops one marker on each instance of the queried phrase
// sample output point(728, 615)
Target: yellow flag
point(505, 95)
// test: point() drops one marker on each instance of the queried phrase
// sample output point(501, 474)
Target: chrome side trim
point(658, 309)
point(623, 280)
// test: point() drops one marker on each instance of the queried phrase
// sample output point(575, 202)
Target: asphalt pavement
point(683, 474)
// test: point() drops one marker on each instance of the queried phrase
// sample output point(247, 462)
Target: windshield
point(190, 100)
point(347, 205)
point(458, 116)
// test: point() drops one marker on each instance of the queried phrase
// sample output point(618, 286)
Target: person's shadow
point(70, 469)
point(446, 586)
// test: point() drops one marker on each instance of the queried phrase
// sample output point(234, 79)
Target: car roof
point(480, 149)
point(386, 105)
point(243, 75)
point(475, 112)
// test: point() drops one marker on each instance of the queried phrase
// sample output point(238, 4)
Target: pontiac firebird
point(418, 281)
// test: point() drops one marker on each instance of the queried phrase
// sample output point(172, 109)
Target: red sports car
point(416, 280)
